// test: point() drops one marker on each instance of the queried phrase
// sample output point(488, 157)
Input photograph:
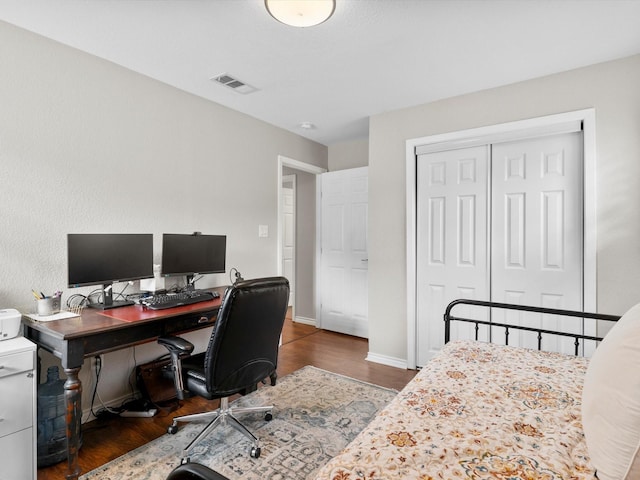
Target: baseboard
point(305, 320)
point(385, 360)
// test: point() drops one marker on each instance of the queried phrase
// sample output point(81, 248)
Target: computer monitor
point(106, 258)
point(193, 254)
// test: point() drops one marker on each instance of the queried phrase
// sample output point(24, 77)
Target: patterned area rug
point(316, 414)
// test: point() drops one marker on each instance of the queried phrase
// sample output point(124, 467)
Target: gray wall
point(88, 146)
point(351, 154)
point(611, 88)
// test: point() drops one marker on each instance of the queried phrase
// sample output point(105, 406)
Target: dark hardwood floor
point(106, 439)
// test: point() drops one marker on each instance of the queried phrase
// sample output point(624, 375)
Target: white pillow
point(611, 401)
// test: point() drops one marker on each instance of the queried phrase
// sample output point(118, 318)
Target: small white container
point(9, 323)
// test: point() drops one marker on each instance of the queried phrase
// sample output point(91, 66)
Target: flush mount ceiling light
point(301, 13)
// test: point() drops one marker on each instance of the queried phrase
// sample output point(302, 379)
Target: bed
point(485, 411)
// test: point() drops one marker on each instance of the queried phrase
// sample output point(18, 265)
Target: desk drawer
point(16, 403)
point(191, 322)
point(15, 363)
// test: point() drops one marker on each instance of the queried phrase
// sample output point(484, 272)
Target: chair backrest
point(243, 348)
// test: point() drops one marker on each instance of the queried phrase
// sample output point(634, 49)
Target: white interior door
point(524, 205)
point(289, 233)
point(452, 240)
point(344, 257)
point(537, 233)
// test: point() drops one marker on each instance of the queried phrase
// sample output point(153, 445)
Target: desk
point(96, 332)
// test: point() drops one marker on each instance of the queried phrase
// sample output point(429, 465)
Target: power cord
point(77, 300)
point(98, 370)
point(238, 276)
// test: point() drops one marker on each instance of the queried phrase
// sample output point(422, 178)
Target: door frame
point(492, 134)
point(303, 167)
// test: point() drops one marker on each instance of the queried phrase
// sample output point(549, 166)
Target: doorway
point(288, 194)
point(533, 128)
point(304, 252)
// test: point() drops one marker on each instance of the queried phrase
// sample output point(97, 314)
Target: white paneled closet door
point(537, 234)
point(501, 222)
point(452, 240)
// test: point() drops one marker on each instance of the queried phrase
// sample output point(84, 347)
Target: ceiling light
point(307, 126)
point(300, 13)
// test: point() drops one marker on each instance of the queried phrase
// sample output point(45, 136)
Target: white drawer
point(17, 456)
point(15, 363)
point(16, 409)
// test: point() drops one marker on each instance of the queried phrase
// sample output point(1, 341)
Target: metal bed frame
point(448, 318)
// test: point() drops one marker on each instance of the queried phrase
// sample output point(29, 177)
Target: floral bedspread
point(477, 411)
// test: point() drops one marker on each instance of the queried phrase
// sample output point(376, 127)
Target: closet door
point(505, 226)
point(452, 240)
point(537, 233)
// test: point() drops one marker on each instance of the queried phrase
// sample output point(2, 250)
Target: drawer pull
point(203, 320)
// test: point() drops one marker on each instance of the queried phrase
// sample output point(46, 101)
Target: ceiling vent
point(233, 83)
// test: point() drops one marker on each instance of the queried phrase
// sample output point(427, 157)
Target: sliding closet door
point(452, 240)
point(501, 222)
point(537, 232)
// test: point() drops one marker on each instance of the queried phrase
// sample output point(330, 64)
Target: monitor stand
point(107, 299)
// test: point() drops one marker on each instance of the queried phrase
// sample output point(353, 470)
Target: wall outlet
point(95, 361)
point(263, 231)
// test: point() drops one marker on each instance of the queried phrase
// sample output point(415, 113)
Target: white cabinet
point(18, 390)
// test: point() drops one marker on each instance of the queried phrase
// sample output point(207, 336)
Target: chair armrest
point(177, 345)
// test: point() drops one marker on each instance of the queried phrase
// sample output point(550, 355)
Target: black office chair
point(242, 351)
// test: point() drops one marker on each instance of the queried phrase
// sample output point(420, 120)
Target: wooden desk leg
point(73, 401)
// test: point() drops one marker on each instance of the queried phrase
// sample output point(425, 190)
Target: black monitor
point(193, 254)
point(105, 258)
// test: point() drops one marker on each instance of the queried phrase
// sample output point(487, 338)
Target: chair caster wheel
point(173, 429)
point(255, 452)
point(268, 416)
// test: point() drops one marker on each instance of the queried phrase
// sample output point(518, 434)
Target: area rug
point(316, 414)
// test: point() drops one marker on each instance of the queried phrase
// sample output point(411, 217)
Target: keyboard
point(171, 300)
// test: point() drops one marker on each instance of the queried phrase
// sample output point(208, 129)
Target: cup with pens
point(47, 304)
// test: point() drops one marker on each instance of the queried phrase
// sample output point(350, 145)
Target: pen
point(42, 295)
point(36, 294)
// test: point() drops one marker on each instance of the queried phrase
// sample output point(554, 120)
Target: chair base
point(225, 415)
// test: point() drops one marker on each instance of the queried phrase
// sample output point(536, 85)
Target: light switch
point(263, 231)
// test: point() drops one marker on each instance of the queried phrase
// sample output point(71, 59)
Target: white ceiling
point(372, 56)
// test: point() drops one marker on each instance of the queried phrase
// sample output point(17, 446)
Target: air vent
point(233, 83)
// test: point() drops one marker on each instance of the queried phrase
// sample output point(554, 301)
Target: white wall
point(611, 88)
point(88, 146)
